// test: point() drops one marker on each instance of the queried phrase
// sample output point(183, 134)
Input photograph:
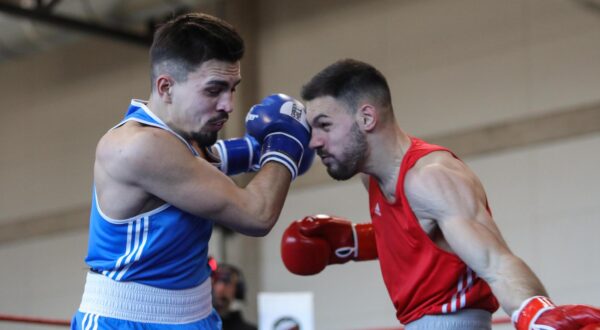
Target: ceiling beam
point(41, 226)
point(46, 16)
point(543, 128)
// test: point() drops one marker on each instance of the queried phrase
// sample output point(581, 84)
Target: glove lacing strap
point(223, 165)
point(346, 251)
point(280, 156)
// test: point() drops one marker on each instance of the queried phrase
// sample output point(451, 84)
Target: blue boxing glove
point(238, 155)
point(279, 124)
point(307, 161)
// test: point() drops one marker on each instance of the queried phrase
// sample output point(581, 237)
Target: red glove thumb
point(315, 225)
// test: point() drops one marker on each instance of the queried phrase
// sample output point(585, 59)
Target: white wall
point(545, 199)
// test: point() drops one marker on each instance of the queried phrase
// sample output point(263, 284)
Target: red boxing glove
point(595, 326)
point(540, 313)
point(310, 244)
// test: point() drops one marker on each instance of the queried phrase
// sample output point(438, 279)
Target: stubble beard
point(352, 157)
point(204, 140)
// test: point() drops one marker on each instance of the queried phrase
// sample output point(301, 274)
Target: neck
point(158, 107)
point(386, 152)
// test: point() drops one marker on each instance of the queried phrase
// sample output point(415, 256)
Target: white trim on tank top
point(131, 219)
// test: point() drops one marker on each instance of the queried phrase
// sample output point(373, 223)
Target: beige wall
point(56, 105)
point(452, 65)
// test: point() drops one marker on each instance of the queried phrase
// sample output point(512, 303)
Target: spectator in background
point(228, 291)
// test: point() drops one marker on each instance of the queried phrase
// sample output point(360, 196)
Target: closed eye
point(324, 126)
point(322, 122)
point(213, 91)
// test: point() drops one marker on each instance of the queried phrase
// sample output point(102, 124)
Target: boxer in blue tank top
point(160, 182)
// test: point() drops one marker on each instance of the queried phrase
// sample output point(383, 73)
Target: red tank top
point(420, 277)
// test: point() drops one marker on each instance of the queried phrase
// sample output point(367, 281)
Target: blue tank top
point(165, 247)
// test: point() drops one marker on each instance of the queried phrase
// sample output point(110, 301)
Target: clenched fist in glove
point(310, 244)
point(539, 313)
point(279, 125)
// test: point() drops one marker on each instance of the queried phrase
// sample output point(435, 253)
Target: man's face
point(201, 104)
point(336, 137)
point(223, 290)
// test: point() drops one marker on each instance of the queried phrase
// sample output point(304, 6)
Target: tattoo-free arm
point(161, 165)
point(448, 192)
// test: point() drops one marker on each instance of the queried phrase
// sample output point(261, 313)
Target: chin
point(340, 175)
point(205, 139)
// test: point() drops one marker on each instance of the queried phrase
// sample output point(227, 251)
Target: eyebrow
point(222, 83)
point(319, 116)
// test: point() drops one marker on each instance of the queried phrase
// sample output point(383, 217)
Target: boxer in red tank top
point(443, 259)
point(402, 244)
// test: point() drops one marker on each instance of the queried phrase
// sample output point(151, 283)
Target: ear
point(367, 117)
point(164, 87)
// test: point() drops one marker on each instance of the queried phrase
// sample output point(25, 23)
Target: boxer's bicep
point(457, 202)
point(164, 167)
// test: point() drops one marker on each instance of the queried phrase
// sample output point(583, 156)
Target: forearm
point(266, 195)
point(512, 282)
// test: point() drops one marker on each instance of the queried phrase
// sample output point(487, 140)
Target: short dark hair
point(185, 42)
point(350, 81)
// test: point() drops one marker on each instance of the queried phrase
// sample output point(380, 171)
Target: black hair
point(350, 81)
point(185, 42)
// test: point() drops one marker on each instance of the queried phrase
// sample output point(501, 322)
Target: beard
point(352, 157)
point(221, 302)
point(204, 140)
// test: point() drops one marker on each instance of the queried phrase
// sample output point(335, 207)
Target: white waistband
point(473, 319)
point(142, 303)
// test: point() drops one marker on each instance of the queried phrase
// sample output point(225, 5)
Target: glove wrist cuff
point(365, 242)
point(530, 310)
point(284, 149)
point(237, 155)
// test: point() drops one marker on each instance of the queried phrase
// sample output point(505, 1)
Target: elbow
point(268, 224)
point(260, 230)
point(262, 226)
point(264, 221)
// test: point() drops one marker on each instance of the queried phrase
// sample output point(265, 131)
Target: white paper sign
point(285, 311)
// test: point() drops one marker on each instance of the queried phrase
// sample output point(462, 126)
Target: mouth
point(326, 159)
point(219, 121)
point(217, 124)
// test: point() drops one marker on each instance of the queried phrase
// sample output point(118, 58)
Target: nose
point(225, 103)
point(315, 141)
